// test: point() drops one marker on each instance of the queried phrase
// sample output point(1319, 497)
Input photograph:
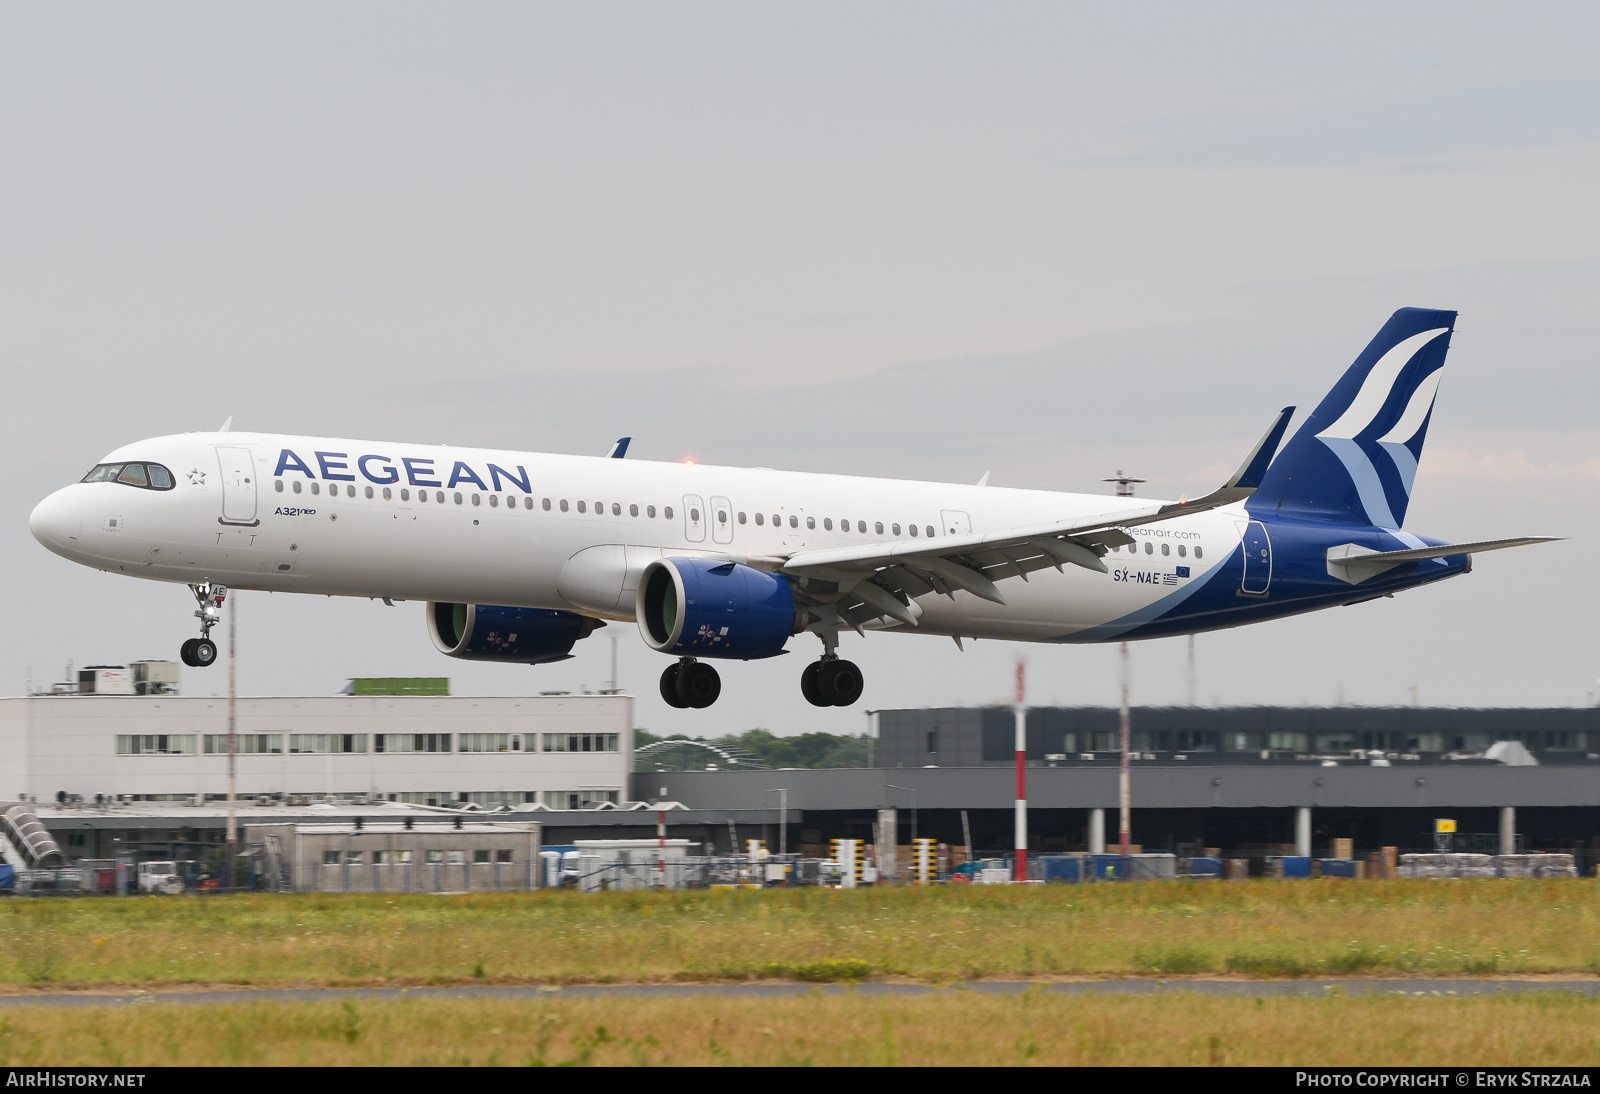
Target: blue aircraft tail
point(1355, 458)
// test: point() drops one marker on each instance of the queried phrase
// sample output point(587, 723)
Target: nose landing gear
point(690, 684)
point(199, 653)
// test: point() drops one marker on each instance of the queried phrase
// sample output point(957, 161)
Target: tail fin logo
point(1376, 393)
point(1355, 458)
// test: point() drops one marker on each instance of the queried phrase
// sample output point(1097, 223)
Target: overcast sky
point(1046, 241)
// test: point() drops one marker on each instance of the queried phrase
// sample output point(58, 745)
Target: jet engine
point(527, 636)
point(702, 607)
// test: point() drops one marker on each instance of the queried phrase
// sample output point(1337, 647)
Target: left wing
point(882, 580)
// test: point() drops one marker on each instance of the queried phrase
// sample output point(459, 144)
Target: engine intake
point(702, 607)
point(525, 636)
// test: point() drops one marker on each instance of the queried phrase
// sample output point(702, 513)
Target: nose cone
point(55, 521)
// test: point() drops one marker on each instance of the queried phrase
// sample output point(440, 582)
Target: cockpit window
point(102, 472)
point(150, 476)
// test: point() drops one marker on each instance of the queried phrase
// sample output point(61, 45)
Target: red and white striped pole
point(1021, 871)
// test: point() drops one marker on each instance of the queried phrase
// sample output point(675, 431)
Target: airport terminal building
point(559, 751)
point(146, 775)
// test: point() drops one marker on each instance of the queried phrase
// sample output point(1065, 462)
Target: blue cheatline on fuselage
point(1300, 583)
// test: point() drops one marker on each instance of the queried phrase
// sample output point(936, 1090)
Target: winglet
point(227, 425)
point(620, 449)
point(1250, 472)
point(1243, 482)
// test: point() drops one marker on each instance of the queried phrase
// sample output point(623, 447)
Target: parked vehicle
point(160, 877)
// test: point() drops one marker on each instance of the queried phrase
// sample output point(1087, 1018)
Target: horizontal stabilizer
point(1354, 563)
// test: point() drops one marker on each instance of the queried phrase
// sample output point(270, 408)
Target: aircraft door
point(955, 523)
point(1257, 560)
point(721, 519)
point(238, 486)
point(694, 519)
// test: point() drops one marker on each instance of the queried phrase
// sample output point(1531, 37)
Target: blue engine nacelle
point(524, 636)
point(701, 607)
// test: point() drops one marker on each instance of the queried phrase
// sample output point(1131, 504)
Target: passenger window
point(650, 511)
point(894, 529)
point(387, 496)
point(811, 522)
point(476, 500)
point(405, 495)
point(741, 518)
point(1149, 548)
point(133, 475)
point(546, 504)
point(761, 518)
point(666, 511)
point(794, 522)
point(527, 503)
point(438, 496)
point(633, 510)
point(369, 491)
point(913, 531)
point(844, 526)
point(563, 505)
point(1182, 550)
point(929, 530)
point(160, 477)
point(350, 491)
point(777, 520)
point(599, 508)
point(694, 514)
point(1166, 549)
point(277, 484)
point(722, 516)
point(582, 507)
point(494, 500)
point(616, 509)
point(1197, 552)
point(827, 524)
point(422, 495)
point(861, 526)
point(877, 528)
point(458, 497)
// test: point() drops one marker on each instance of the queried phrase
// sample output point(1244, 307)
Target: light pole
point(233, 740)
point(869, 714)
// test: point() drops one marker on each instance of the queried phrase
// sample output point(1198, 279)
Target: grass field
point(1269, 929)
point(961, 1028)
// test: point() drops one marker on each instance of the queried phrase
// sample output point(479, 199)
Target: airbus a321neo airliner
point(520, 555)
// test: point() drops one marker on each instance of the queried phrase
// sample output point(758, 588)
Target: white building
point(563, 751)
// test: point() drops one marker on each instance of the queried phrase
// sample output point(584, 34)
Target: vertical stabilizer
point(1355, 458)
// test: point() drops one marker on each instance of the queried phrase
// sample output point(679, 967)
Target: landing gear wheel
point(186, 653)
point(810, 688)
point(698, 684)
point(669, 686)
point(839, 682)
point(204, 653)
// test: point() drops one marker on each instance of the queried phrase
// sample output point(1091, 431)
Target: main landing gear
point(831, 682)
point(690, 683)
point(199, 653)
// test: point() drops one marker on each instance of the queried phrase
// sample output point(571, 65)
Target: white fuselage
point(419, 522)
